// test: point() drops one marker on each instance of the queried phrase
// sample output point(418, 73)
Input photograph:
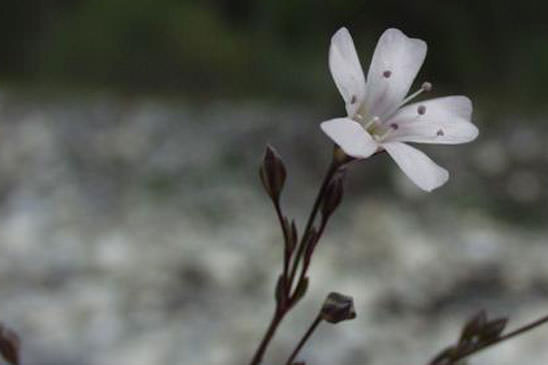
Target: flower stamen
point(426, 86)
point(372, 122)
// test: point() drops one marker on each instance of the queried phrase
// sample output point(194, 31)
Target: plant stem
point(304, 339)
point(274, 323)
point(281, 311)
point(507, 336)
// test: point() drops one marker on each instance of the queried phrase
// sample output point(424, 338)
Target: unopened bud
point(337, 308)
point(273, 174)
point(493, 329)
point(311, 239)
point(473, 327)
point(300, 290)
point(333, 194)
point(9, 345)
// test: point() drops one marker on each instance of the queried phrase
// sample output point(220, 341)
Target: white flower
point(378, 117)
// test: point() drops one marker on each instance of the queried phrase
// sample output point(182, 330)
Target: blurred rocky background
point(133, 227)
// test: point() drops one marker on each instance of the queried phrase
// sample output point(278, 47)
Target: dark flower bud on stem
point(280, 292)
point(333, 194)
point(473, 327)
point(300, 290)
point(311, 240)
point(338, 308)
point(293, 237)
point(9, 345)
point(273, 174)
point(493, 329)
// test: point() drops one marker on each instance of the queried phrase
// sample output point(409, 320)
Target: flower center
point(377, 126)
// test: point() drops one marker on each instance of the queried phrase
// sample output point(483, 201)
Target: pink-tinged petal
point(443, 120)
point(395, 64)
point(424, 172)
point(346, 70)
point(350, 136)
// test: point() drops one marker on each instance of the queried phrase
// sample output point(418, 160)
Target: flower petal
point(346, 70)
point(350, 136)
point(443, 120)
point(396, 62)
point(424, 172)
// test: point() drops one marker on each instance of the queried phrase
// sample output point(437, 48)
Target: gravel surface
point(133, 231)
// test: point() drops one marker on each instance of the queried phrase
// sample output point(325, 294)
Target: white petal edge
point(346, 70)
point(424, 172)
point(445, 120)
point(402, 57)
point(350, 136)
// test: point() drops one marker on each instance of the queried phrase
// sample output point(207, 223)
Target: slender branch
point(505, 337)
point(276, 320)
point(303, 340)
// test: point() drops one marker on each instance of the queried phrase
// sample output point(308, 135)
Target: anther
point(394, 126)
point(353, 99)
point(421, 109)
point(440, 133)
point(426, 86)
point(359, 117)
point(387, 74)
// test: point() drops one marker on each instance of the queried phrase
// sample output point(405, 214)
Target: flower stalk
point(288, 291)
point(305, 338)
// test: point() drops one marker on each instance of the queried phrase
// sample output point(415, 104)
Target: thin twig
point(304, 339)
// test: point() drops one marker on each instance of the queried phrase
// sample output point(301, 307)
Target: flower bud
point(9, 345)
point(310, 240)
point(272, 173)
point(300, 290)
point(333, 194)
point(337, 308)
point(473, 327)
point(493, 329)
point(280, 292)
